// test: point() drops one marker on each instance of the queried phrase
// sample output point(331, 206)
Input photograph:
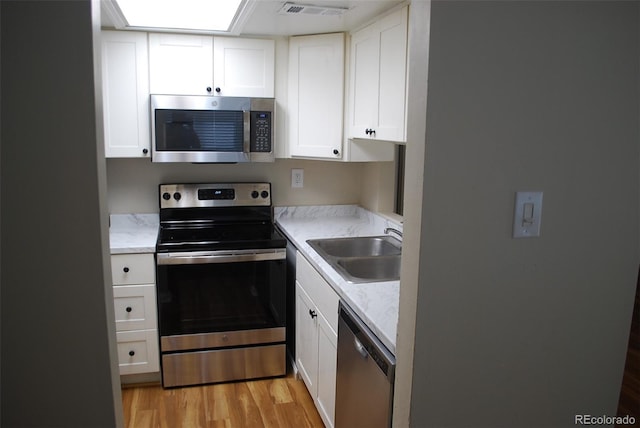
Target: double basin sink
point(362, 259)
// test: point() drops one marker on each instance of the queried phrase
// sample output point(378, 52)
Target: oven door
point(210, 299)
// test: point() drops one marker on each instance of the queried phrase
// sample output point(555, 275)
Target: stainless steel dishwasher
point(365, 374)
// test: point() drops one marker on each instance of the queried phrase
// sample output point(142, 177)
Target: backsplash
point(133, 183)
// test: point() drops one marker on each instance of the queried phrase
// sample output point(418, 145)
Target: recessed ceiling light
point(198, 15)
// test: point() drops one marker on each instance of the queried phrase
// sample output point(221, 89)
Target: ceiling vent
point(302, 9)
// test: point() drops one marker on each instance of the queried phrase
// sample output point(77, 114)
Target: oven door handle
point(205, 257)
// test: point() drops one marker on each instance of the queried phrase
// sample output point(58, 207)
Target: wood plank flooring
point(629, 402)
point(279, 402)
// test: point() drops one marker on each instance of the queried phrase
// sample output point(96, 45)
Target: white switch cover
point(297, 178)
point(527, 216)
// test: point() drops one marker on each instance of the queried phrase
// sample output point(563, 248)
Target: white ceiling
point(265, 20)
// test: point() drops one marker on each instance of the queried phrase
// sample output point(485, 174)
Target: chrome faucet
point(391, 229)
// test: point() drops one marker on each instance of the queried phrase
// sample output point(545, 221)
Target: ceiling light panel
point(200, 15)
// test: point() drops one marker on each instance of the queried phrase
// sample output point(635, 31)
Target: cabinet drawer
point(319, 290)
point(135, 307)
point(138, 351)
point(132, 269)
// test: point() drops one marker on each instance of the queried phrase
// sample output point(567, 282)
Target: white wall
point(133, 183)
point(58, 332)
point(417, 66)
point(526, 96)
point(378, 186)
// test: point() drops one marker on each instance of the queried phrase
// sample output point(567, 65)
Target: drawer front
point(135, 307)
point(191, 368)
point(321, 293)
point(138, 351)
point(132, 269)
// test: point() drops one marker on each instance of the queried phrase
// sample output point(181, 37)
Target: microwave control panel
point(261, 134)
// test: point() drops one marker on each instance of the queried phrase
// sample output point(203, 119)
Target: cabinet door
point(306, 340)
point(364, 80)
point(243, 67)
point(327, 362)
point(378, 79)
point(390, 123)
point(180, 64)
point(316, 85)
point(125, 91)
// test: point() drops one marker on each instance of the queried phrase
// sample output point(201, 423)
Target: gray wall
point(527, 96)
point(56, 344)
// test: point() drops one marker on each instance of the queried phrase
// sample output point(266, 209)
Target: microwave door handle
point(246, 115)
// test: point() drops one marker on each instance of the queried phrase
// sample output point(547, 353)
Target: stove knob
point(264, 194)
point(255, 194)
point(177, 196)
point(166, 196)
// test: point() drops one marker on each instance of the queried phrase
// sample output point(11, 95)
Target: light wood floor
point(629, 401)
point(279, 403)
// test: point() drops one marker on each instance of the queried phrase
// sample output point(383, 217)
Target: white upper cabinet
point(316, 95)
point(377, 81)
point(125, 91)
point(243, 67)
point(205, 65)
point(180, 64)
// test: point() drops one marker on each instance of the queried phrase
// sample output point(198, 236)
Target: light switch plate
point(527, 214)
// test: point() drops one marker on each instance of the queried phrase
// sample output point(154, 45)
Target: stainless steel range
point(221, 284)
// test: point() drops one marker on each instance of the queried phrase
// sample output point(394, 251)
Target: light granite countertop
point(133, 233)
point(375, 303)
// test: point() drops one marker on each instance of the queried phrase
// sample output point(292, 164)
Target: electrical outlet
point(297, 178)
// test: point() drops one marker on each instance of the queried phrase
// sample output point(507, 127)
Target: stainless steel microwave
point(212, 129)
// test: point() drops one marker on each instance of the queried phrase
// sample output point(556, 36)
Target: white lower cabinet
point(327, 360)
point(134, 302)
point(316, 337)
point(135, 307)
point(138, 351)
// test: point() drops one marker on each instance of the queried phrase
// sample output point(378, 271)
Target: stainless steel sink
point(380, 268)
point(357, 247)
point(362, 259)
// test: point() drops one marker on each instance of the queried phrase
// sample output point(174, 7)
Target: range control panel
point(193, 195)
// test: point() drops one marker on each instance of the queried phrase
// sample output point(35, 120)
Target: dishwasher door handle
point(360, 348)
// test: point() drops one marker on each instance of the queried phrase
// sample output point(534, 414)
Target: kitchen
point(619, 172)
point(133, 183)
